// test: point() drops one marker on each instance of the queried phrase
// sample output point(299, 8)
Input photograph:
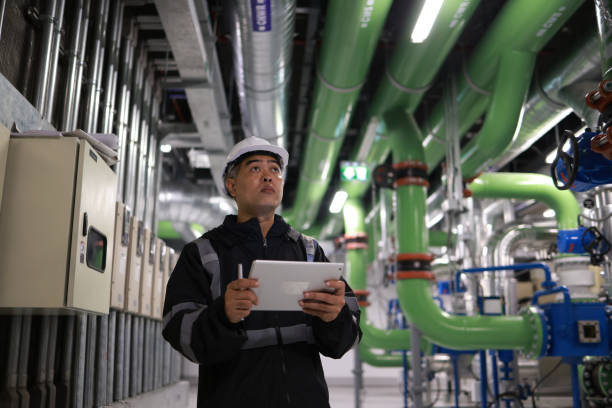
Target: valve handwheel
point(570, 162)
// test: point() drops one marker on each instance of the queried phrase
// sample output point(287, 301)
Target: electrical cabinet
point(167, 270)
point(57, 226)
point(120, 255)
point(158, 279)
point(4, 146)
point(146, 278)
point(134, 266)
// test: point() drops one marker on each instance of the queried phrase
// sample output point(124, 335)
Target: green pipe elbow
point(381, 360)
point(529, 186)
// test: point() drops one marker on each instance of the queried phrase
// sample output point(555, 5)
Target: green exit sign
point(354, 171)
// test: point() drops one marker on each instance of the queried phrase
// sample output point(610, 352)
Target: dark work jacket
point(287, 373)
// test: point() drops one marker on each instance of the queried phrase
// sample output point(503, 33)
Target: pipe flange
point(540, 343)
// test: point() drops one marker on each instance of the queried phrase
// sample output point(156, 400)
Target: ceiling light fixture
point(426, 19)
point(165, 148)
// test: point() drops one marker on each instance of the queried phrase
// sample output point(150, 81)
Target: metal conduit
point(66, 122)
point(45, 57)
point(262, 63)
point(57, 38)
point(82, 49)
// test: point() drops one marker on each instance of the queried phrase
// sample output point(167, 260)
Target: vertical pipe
point(45, 57)
point(78, 373)
point(64, 391)
point(483, 378)
point(96, 59)
point(82, 48)
point(57, 39)
point(417, 380)
point(24, 354)
point(119, 356)
point(51, 392)
point(134, 357)
point(111, 76)
point(12, 364)
point(141, 343)
point(495, 377)
point(127, 356)
point(38, 391)
point(456, 379)
point(90, 361)
point(101, 361)
point(133, 135)
point(73, 64)
point(2, 8)
point(358, 373)
point(110, 363)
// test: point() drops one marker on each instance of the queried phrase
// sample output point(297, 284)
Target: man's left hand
point(326, 306)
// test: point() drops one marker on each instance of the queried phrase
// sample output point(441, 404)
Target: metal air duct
point(262, 36)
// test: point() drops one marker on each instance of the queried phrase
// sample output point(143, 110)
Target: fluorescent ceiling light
point(549, 213)
point(426, 19)
point(165, 148)
point(338, 202)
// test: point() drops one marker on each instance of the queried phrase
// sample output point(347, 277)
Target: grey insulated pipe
point(82, 48)
point(73, 64)
point(112, 71)
point(124, 99)
point(96, 62)
point(45, 56)
point(262, 36)
point(52, 80)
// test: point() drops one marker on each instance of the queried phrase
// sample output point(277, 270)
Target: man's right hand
point(239, 298)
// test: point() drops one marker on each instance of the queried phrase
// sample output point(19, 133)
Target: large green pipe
point(356, 271)
point(380, 360)
point(351, 35)
point(529, 186)
point(504, 113)
point(412, 70)
point(539, 21)
point(456, 332)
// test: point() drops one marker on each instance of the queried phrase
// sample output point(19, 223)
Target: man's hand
point(326, 306)
point(239, 298)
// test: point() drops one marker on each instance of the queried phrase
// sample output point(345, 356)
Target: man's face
point(258, 185)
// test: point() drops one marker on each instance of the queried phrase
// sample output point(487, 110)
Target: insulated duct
point(262, 36)
point(352, 29)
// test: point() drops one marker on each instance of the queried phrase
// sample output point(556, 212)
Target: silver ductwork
point(262, 36)
point(185, 202)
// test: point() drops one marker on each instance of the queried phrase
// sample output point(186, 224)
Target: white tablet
point(283, 283)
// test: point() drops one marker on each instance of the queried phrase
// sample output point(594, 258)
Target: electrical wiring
point(541, 380)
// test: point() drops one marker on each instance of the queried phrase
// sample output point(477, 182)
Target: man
point(259, 358)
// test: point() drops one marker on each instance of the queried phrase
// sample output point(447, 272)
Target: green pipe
point(539, 21)
point(440, 238)
point(529, 186)
point(408, 77)
point(602, 12)
point(546, 104)
point(504, 113)
point(456, 332)
point(357, 279)
point(381, 360)
point(351, 35)
point(165, 230)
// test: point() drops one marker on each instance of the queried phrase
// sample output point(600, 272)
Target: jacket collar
point(231, 231)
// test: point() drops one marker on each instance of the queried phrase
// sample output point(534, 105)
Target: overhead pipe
point(527, 186)
point(96, 62)
point(477, 75)
point(124, 100)
point(354, 224)
point(57, 39)
point(413, 287)
point(603, 8)
point(504, 114)
point(411, 71)
point(66, 122)
point(380, 360)
point(262, 39)
point(112, 70)
point(44, 66)
point(352, 30)
point(82, 50)
point(552, 98)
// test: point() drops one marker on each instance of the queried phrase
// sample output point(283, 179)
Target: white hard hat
point(253, 144)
